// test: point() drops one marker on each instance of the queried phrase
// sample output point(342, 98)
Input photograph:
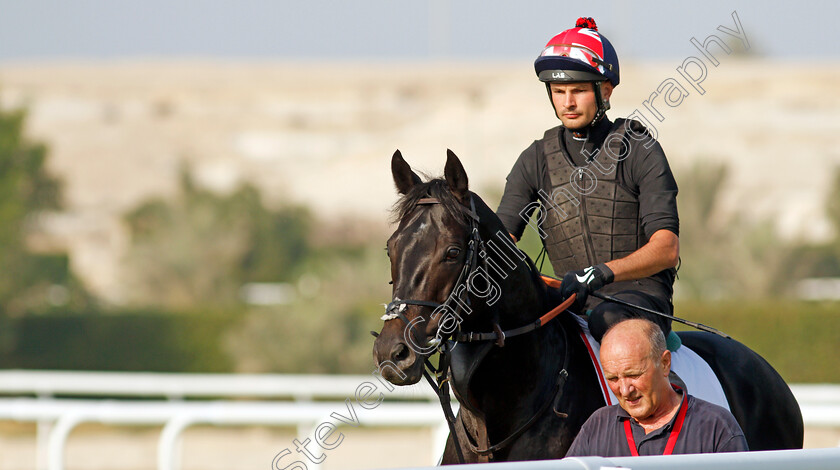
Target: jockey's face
point(575, 102)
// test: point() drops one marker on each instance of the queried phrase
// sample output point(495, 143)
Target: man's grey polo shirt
point(707, 428)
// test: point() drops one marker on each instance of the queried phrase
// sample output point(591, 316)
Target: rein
point(495, 335)
point(396, 307)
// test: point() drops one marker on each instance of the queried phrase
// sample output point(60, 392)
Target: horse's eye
point(453, 253)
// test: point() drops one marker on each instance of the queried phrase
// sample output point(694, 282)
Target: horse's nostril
point(400, 352)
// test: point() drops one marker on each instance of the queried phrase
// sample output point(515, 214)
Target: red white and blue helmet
point(580, 54)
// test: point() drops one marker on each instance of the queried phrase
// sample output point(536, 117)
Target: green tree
point(200, 248)
point(327, 329)
point(30, 281)
point(723, 254)
point(820, 259)
point(833, 203)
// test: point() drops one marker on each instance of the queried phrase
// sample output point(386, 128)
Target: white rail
point(178, 386)
point(43, 397)
point(811, 459)
point(177, 416)
point(58, 417)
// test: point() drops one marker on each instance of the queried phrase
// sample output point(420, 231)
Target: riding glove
point(584, 282)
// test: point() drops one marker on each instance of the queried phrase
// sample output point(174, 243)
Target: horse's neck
point(520, 373)
point(522, 296)
point(515, 381)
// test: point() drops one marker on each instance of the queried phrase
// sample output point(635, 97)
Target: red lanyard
point(672, 439)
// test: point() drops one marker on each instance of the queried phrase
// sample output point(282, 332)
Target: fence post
point(58, 439)
point(169, 443)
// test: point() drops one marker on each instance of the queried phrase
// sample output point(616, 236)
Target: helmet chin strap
point(603, 105)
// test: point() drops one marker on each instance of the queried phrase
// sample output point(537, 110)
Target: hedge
point(128, 341)
point(801, 340)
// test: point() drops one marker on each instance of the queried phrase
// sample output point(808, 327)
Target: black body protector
point(592, 217)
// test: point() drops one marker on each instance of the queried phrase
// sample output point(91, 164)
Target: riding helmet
point(578, 54)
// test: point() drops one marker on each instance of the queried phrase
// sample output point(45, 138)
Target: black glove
point(584, 282)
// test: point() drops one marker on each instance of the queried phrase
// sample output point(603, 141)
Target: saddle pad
point(699, 378)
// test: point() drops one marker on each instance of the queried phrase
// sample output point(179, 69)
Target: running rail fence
point(59, 401)
point(811, 459)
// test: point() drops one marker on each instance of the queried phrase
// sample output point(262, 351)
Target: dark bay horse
point(456, 274)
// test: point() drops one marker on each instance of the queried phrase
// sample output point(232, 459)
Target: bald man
point(652, 417)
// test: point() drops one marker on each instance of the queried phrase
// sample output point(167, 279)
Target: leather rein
point(439, 384)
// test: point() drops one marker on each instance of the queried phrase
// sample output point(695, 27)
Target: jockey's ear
point(456, 177)
point(606, 90)
point(404, 177)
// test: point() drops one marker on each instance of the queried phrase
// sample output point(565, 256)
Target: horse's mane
point(435, 188)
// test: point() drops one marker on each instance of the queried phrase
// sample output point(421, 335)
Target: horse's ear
point(456, 177)
point(404, 178)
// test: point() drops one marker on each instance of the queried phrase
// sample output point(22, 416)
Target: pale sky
point(397, 29)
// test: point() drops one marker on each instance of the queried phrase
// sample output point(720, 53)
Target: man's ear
point(606, 89)
point(665, 360)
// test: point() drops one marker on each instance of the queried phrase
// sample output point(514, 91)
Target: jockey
point(607, 198)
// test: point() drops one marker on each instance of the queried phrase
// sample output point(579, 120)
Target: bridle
point(439, 384)
point(395, 308)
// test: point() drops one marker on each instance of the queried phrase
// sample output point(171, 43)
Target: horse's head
point(429, 251)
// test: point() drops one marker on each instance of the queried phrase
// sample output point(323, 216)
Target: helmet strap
point(603, 105)
point(550, 99)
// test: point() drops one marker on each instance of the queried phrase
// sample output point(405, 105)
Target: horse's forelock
point(435, 188)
